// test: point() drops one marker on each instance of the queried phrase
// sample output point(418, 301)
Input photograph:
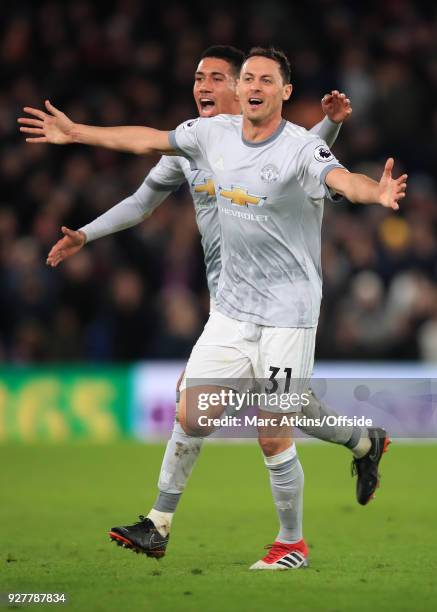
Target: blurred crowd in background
point(141, 293)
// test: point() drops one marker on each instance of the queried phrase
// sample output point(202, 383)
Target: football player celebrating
point(214, 92)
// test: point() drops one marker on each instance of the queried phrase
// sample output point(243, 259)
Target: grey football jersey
point(168, 174)
point(270, 203)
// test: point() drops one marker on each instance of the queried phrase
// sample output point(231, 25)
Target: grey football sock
point(347, 435)
point(179, 458)
point(286, 481)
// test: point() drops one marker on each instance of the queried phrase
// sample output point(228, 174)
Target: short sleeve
point(167, 175)
point(314, 162)
point(189, 138)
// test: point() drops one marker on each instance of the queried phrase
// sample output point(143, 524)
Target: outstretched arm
point(125, 214)
point(361, 189)
point(337, 108)
point(164, 178)
point(55, 127)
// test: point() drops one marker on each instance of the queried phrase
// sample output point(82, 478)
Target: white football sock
point(362, 448)
point(286, 480)
point(161, 520)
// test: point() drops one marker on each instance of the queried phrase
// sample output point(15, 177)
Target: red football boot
point(283, 557)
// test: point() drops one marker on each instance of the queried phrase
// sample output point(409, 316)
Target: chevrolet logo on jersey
point(240, 197)
point(206, 187)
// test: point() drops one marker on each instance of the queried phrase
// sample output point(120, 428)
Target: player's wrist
point(378, 196)
point(83, 236)
point(77, 134)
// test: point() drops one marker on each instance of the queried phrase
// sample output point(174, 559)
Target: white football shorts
point(232, 353)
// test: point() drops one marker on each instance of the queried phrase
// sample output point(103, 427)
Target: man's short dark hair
point(229, 54)
point(276, 55)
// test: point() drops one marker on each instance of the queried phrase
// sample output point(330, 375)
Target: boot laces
point(144, 522)
point(276, 551)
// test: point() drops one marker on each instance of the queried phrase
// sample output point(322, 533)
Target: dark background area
point(142, 293)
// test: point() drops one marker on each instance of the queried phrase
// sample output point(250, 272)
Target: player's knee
point(190, 422)
point(178, 384)
point(183, 421)
point(194, 431)
point(273, 446)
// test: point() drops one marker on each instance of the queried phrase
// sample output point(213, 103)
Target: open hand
point(53, 126)
point(391, 190)
point(69, 245)
point(336, 106)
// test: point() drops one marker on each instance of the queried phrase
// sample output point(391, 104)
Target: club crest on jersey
point(240, 197)
point(269, 174)
point(323, 154)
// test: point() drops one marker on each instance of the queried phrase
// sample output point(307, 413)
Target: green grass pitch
point(57, 503)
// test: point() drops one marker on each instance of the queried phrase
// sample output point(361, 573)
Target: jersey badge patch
point(189, 124)
point(323, 154)
point(269, 174)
